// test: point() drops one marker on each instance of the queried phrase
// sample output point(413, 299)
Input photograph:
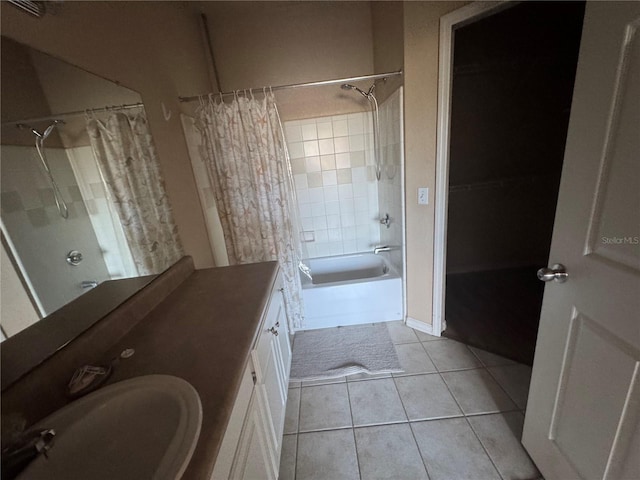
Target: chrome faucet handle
point(383, 248)
point(386, 220)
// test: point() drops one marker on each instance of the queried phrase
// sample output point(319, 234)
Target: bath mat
point(336, 352)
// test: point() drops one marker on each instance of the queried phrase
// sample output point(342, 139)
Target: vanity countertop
point(202, 332)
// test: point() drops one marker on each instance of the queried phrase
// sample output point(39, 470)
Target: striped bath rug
point(339, 351)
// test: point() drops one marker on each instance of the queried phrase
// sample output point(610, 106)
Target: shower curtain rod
point(76, 112)
point(321, 83)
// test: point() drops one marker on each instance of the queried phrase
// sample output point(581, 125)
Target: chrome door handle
point(557, 272)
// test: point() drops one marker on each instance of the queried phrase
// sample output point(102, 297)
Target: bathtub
point(350, 290)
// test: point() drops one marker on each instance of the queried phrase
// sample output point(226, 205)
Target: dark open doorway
point(513, 76)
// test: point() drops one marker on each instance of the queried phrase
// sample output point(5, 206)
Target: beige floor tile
point(515, 379)
point(452, 451)
point(292, 411)
point(375, 402)
point(400, 333)
point(324, 407)
point(414, 359)
point(500, 434)
point(477, 392)
point(451, 355)
point(389, 452)
point(489, 359)
point(426, 397)
point(329, 455)
point(288, 458)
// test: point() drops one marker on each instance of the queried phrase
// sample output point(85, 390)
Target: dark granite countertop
point(202, 332)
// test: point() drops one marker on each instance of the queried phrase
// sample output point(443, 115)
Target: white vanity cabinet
point(252, 443)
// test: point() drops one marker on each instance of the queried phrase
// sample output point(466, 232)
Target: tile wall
point(40, 235)
point(336, 188)
point(390, 186)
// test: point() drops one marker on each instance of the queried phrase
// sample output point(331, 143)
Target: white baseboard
point(422, 326)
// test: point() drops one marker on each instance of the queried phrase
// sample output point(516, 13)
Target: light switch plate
point(423, 196)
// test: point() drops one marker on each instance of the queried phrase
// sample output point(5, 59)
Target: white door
point(583, 413)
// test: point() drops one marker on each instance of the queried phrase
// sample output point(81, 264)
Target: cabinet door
point(253, 460)
point(284, 344)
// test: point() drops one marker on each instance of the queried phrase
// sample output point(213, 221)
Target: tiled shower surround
point(334, 174)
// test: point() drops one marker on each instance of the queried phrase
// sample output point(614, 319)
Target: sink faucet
point(24, 450)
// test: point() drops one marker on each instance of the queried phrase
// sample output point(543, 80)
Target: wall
point(41, 237)
point(154, 48)
point(387, 20)
point(68, 88)
point(421, 43)
point(337, 192)
point(258, 44)
point(17, 310)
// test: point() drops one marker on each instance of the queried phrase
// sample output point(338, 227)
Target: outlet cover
point(423, 196)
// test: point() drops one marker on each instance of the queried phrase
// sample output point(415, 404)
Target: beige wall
point(69, 88)
point(387, 19)
point(258, 44)
point(421, 33)
point(154, 48)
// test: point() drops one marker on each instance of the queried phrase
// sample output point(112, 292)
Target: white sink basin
point(142, 428)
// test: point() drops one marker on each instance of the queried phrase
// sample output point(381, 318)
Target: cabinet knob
point(274, 331)
point(281, 289)
point(277, 324)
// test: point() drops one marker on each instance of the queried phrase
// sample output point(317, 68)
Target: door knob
point(557, 272)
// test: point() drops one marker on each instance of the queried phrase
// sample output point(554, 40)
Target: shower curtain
point(128, 163)
point(244, 150)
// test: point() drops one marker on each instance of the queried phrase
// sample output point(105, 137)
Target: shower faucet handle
point(386, 220)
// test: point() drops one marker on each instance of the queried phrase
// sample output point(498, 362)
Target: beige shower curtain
point(245, 154)
point(127, 159)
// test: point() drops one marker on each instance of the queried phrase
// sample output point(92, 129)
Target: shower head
point(367, 95)
point(348, 86)
point(49, 129)
point(41, 135)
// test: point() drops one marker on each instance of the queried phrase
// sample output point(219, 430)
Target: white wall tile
point(311, 148)
point(326, 146)
point(296, 149)
point(303, 196)
point(309, 132)
point(332, 208)
point(325, 130)
point(356, 143)
point(322, 236)
point(343, 160)
point(307, 223)
point(345, 191)
point(333, 222)
point(341, 144)
point(305, 210)
point(312, 163)
point(329, 178)
point(293, 133)
point(316, 195)
point(319, 223)
point(359, 175)
point(318, 210)
point(300, 181)
point(330, 193)
point(340, 127)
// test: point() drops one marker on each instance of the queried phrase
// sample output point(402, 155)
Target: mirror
point(62, 234)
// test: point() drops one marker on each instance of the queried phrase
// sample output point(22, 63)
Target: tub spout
point(383, 248)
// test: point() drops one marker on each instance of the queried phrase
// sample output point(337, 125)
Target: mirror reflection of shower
point(370, 96)
point(40, 139)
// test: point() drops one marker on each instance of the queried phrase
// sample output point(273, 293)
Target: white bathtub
point(351, 289)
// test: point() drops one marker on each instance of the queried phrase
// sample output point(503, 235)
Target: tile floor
point(455, 413)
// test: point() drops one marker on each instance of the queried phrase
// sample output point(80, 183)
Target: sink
point(142, 428)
